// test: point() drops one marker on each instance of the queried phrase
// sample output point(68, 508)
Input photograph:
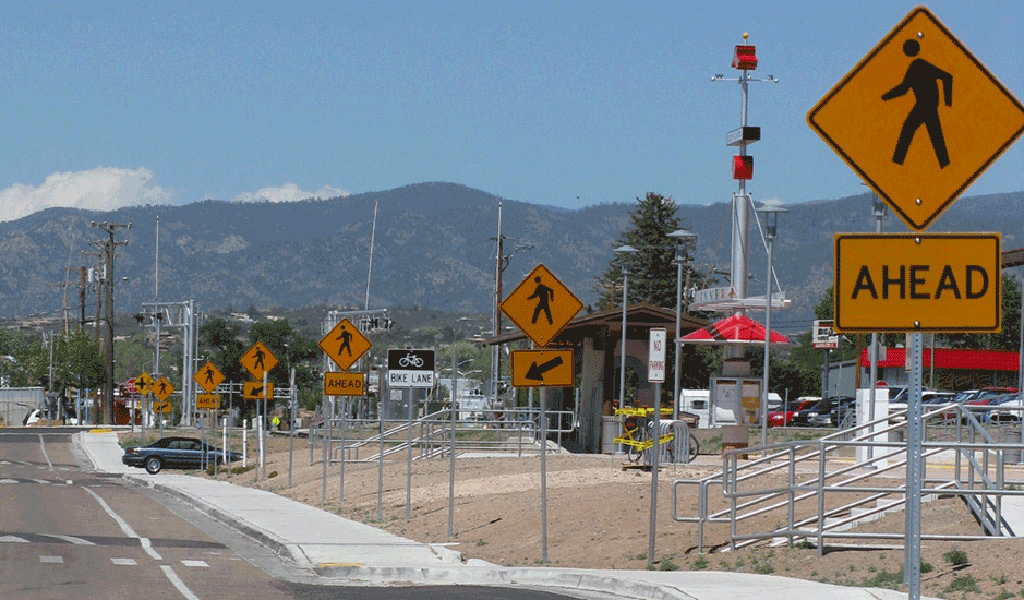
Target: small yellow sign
point(541, 306)
point(344, 344)
point(207, 401)
point(918, 282)
point(162, 406)
point(254, 390)
point(258, 360)
point(208, 377)
point(919, 118)
point(344, 384)
point(144, 383)
point(163, 389)
point(542, 368)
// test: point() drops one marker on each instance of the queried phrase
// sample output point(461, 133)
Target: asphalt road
point(68, 534)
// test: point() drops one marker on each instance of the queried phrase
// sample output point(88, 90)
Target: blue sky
point(109, 103)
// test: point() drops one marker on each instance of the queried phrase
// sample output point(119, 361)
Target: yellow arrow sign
point(254, 390)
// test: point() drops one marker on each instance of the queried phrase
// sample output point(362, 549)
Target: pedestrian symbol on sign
point(922, 78)
point(544, 296)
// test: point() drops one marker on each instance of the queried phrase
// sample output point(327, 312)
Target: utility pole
point(110, 246)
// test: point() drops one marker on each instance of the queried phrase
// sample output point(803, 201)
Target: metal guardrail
point(518, 433)
point(978, 478)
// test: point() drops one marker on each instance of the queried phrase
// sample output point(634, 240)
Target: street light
point(625, 251)
point(770, 209)
point(681, 236)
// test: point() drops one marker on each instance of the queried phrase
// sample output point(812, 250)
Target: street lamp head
point(682, 236)
point(626, 249)
point(772, 205)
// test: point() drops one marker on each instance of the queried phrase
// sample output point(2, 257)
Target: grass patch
point(884, 579)
point(962, 584)
point(701, 563)
point(955, 557)
point(667, 565)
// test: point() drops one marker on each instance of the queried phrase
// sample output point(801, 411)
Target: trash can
point(609, 431)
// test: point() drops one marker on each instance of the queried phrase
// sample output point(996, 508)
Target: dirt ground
point(598, 517)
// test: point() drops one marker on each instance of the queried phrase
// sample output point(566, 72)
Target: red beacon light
point(745, 57)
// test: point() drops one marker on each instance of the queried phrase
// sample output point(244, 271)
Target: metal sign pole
point(655, 451)
point(385, 392)
point(344, 426)
point(451, 449)
point(543, 475)
point(912, 559)
point(291, 424)
point(408, 470)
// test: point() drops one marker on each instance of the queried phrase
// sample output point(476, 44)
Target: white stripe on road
point(194, 563)
point(45, 455)
point(178, 583)
point(125, 527)
point(12, 538)
point(51, 559)
point(70, 538)
point(124, 562)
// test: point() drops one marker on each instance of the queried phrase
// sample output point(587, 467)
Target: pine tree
point(652, 272)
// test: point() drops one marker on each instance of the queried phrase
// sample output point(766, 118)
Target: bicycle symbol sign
point(411, 368)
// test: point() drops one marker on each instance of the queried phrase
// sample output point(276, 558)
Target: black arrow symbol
point(536, 372)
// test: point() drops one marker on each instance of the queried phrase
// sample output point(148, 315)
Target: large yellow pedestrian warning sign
point(258, 360)
point(541, 306)
point(919, 118)
point(344, 344)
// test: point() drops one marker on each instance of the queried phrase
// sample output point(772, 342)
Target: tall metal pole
point(677, 362)
point(451, 450)
point(770, 233)
point(495, 349)
point(369, 270)
point(912, 558)
point(543, 476)
point(878, 211)
point(625, 251)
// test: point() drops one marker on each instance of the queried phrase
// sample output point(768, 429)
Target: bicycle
point(411, 360)
point(638, 437)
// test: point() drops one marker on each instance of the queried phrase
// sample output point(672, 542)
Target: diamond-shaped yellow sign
point(258, 360)
point(208, 377)
point(919, 118)
point(144, 383)
point(163, 389)
point(541, 306)
point(344, 344)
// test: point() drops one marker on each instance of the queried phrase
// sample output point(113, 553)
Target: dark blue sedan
point(176, 453)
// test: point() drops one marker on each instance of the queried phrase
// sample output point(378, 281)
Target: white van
point(698, 403)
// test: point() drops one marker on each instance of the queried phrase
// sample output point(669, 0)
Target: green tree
point(221, 342)
point(1008, 338)
point(652, 273)
point(78, 362)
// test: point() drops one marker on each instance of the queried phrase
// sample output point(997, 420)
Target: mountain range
point(434, 246)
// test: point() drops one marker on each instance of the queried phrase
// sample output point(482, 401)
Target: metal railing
point(824, 494)
point(517, 432)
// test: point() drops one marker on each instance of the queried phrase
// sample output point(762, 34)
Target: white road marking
point(194, 563)
point(71, 538)
point(125, 527)
point(51, 559)
point(8, 481)
point(11, 538)
point(45, 455)
point(124, 562)
point(178, 583)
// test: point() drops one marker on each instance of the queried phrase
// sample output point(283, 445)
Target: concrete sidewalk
point(342, 551)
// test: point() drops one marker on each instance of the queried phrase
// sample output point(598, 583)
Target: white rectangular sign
point(656, 356)
point(416, 379)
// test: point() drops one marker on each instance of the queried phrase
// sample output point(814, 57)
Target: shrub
point(962, 584)
point(955, 557)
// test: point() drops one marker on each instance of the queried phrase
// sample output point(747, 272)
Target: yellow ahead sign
point(207, 401)
point(541, 306)
point(344, 384)
point(208, 377)
point(919, 118)
point(917, 282)
point(344, 344)
point(542, 368)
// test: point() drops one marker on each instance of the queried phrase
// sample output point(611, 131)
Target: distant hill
point(434, 248)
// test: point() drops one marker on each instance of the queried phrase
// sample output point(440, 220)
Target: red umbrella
point(737, 329)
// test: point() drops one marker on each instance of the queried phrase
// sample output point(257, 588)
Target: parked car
point(785, 416)
point(176, 452)
point(1009, 408)
point(833, 412)
point(983, 406)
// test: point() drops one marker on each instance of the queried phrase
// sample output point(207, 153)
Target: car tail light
point(132, 451)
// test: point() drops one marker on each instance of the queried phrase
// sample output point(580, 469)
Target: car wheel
point(153, 465)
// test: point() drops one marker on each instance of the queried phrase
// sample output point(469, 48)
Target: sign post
point(900, 97)
point(655, 375)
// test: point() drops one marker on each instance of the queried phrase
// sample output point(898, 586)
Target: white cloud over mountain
point(110, 188)
point(103, 188)
point(289, 192)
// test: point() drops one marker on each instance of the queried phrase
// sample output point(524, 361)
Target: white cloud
point(289, 192)
point(103, 188)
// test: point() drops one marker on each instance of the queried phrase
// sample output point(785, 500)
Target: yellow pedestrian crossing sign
point(258, 360)
point(163, 389)
point(208, 377)
point(919, 118)
point(541, 306)
point(344, 344)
